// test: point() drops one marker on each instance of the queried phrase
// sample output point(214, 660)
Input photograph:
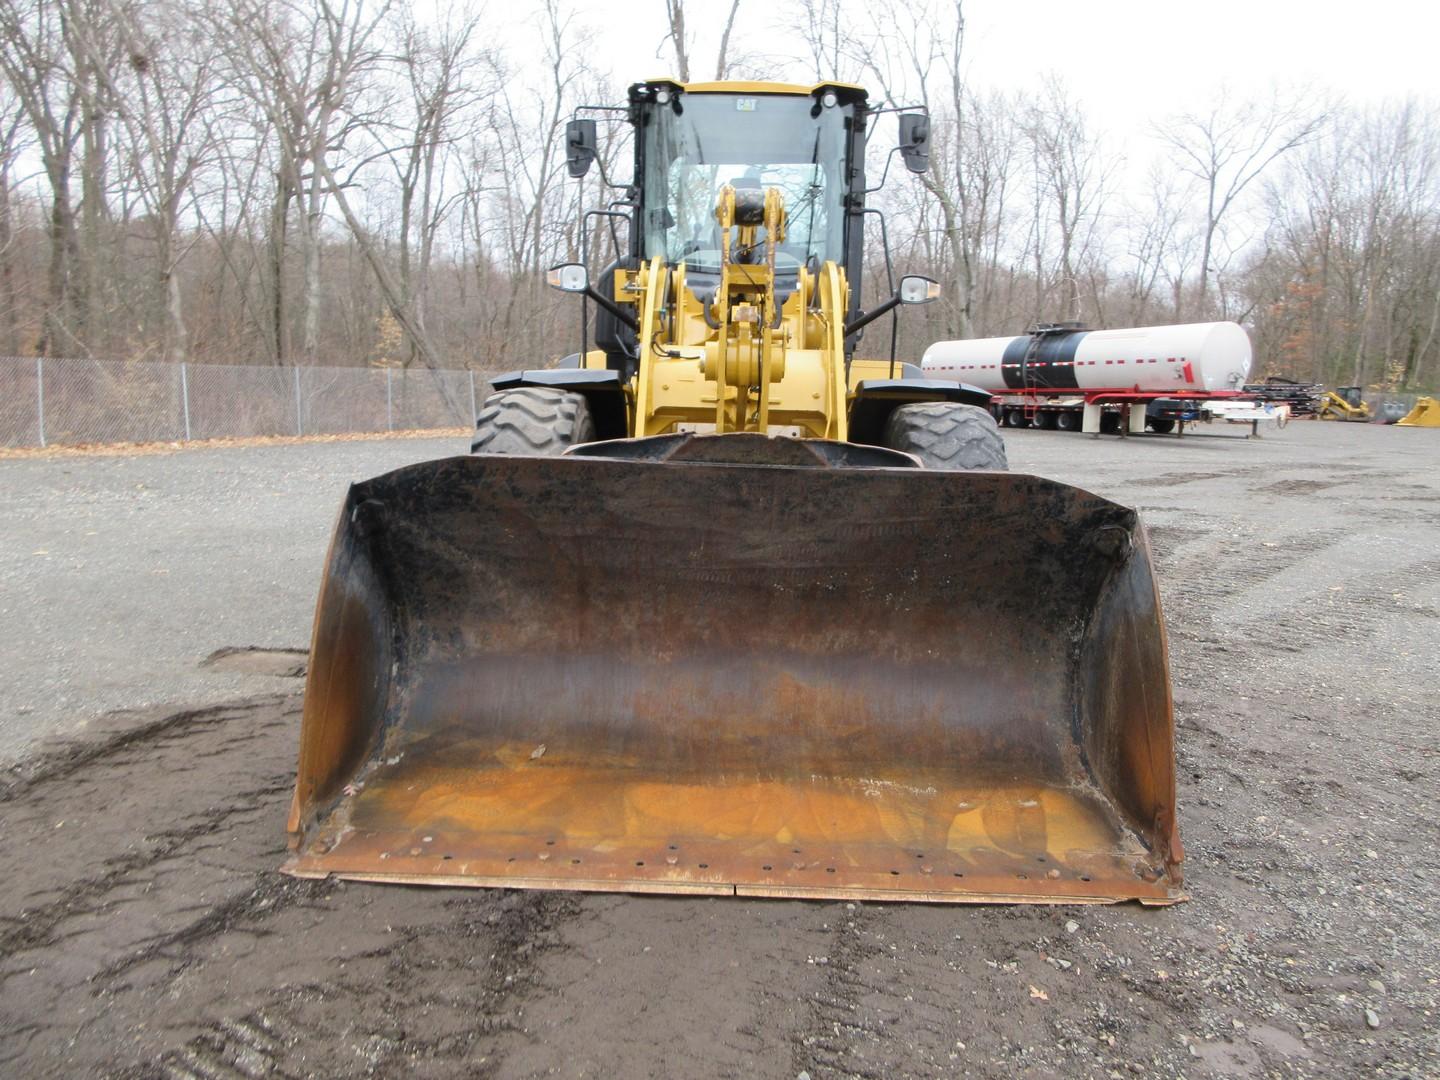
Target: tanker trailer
point(1047, 377)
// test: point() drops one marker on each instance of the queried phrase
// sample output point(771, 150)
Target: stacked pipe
point(1303, 398)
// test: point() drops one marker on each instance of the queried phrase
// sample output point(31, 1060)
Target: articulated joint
point(747, 347)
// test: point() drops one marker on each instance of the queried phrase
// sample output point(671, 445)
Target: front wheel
point(947, 435)
point(533, 420)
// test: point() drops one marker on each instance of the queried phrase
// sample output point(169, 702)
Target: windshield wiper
point(814, 197)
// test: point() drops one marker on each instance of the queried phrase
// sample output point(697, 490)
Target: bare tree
point(1226, 148)
point(1072, 180)
point(443, 77)
point(14, 142)
point(170, 67)
point(722, 54)
point(918, 49)
point(305, 66)
point(32, 55)
point(1346, 288)
point(675, 34)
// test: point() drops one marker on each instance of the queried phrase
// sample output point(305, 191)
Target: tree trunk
point(8, 296)
point(176, 335)
point(311, 338)
point(279, 217)
point(55, 333)
point(92, 202)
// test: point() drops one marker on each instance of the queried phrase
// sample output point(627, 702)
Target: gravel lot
point(144, 931)
point(118, 575)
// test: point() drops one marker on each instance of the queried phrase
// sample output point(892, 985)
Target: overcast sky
point(1127, 61)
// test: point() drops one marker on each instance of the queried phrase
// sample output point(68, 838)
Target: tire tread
point(532, 420)
point(947, 435)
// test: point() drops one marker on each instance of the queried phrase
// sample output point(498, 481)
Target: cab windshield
point(698, 143)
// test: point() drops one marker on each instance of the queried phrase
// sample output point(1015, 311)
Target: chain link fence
point(52, 402)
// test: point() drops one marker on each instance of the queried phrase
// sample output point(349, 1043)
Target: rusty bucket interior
point(683, 677)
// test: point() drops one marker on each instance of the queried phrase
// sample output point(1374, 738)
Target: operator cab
point(692, 141)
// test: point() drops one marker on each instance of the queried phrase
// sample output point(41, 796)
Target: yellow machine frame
point(758, 368)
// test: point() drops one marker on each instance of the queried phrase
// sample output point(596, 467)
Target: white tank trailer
point(1195, 357)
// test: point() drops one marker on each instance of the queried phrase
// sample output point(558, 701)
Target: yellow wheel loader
point(719, 607)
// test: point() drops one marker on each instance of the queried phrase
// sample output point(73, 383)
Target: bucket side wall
point(347, 685)
point(1125, 715)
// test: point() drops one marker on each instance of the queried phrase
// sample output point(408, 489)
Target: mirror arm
point(886, 172)
point(604, 176)
point(613, 308)
point(870, 316)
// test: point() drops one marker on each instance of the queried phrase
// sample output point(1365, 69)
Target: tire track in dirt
point(44, 792)
point(467, 1007)
point(35, 927)
point(154, 935)
point(55, 762)
point(843, 1037)
point(652, 986)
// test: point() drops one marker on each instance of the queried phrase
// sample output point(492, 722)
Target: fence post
point(389, 401)
point(185, 399)
point(474, 413)
point(40, 396)
point(299, 421)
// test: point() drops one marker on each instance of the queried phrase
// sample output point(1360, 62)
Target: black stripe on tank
point(1012, 360)
point(1058, 356)
point(1051, 365)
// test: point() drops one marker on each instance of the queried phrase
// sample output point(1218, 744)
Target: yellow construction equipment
point(1426, 413)
point(718, 607)
point(1343, 403)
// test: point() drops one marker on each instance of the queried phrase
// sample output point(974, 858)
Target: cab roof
point(847, 91)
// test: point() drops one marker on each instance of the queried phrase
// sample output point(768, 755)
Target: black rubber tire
point(947, 435)
point(1069, 420)
point(1015, 418)
point(1043, 421)
point(532, 420)
point(1161, 425)
point(1110, 423)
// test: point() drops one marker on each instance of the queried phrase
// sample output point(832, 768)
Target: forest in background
point(292, 182)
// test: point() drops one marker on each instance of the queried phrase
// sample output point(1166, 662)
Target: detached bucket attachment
point(685, 676)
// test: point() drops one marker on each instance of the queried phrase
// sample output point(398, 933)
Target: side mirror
point(580, 147)
point(915, 141)
point(568, 277)
point(915, 289)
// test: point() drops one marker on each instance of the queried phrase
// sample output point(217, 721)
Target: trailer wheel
point(533, 420)
point(1045, 421)
point(1014, 418)
point(1161, 425)
point(947, 435)
point(1110, 423)
point(1069, 420)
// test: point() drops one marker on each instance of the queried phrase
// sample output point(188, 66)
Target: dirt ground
point(145, 932)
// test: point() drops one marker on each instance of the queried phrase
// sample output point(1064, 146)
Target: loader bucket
point(691, 676)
